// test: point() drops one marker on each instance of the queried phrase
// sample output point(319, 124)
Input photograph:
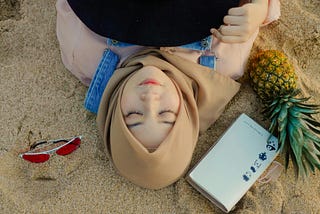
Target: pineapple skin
point(271, 74)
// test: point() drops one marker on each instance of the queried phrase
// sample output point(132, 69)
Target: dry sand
point(41, 99)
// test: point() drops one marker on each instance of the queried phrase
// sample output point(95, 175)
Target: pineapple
point(273, 78)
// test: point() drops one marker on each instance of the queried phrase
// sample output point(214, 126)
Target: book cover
point(230, 167)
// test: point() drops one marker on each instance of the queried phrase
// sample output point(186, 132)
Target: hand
point(242, 22)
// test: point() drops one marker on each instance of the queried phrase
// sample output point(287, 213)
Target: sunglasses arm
point(34, 145)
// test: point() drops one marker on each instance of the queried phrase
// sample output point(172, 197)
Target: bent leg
point(81, 49)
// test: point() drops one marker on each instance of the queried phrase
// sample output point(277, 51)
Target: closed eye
point(171, 123)
point(133, 125)
point(167, 117)
point(132, 113)
point(167, 111)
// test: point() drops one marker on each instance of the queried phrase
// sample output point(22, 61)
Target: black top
point(153, 22)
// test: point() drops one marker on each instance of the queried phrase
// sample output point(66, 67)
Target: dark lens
point(70, 147)
point(37, 158)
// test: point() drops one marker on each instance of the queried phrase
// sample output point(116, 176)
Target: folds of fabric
point(203, 94)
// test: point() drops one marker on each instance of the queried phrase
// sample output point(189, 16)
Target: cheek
point(172, 101)
point(173, 95)
point(127, 101)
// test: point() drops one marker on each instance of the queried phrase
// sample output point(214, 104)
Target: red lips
point(150, 82)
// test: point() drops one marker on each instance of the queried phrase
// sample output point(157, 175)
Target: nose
point(150, 96)
point(151, 103)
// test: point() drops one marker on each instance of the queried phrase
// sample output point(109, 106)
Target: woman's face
point(150, 104)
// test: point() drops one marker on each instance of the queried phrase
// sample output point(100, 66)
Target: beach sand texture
point(40, 99)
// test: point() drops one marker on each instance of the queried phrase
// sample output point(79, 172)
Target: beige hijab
point(203, 93)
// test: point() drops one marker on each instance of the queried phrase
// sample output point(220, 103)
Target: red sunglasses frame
point(44, 156)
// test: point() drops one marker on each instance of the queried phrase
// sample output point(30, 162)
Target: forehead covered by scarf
point(203, 94)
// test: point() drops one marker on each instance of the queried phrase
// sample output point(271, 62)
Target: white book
point(230, 167)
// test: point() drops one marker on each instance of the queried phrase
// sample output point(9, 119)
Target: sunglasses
point(40, 152)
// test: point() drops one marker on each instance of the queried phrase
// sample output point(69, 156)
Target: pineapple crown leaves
point(297, 131)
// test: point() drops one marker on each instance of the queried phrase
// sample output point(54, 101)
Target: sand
point(40, 99)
